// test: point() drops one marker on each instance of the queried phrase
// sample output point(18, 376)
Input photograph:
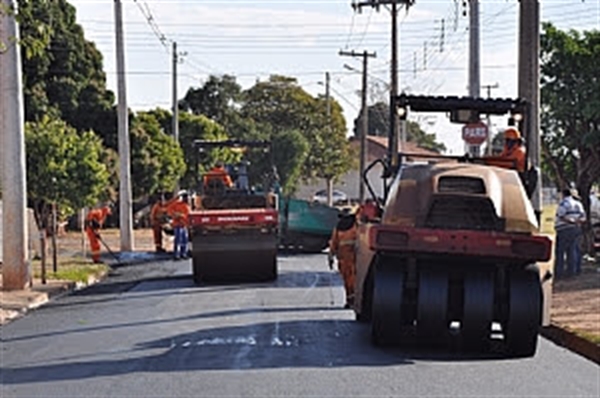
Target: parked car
point(338, 196)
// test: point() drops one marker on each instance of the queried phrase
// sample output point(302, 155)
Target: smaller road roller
point(453, 257)
point(234, 229)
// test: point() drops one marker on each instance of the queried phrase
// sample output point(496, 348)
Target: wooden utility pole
point(125, 205)
point(15, 255)
point(364, 118)
point(529, 85)
point(393, 134)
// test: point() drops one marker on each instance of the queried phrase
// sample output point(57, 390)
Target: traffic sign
point(475, 133)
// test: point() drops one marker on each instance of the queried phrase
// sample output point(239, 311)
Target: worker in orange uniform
point(179, 211)
point(158, 218)
point(93, 222)
point(513, 155)
point(342, 245)
point(218, 173)
point(369, 211)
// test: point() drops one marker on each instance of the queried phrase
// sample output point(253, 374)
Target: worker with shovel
point(93, 222)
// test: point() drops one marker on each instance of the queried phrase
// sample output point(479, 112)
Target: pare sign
point(475, 133)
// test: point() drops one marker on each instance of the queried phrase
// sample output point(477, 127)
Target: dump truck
point(453, 258)
point(305, 226)
point(234, 230)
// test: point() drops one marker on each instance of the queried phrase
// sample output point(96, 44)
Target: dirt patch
point(75, 243)
point(576, 302)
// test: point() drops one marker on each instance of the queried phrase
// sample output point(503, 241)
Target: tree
point(379, 116)
point(216, 99)
point(195, 127)
point(570, 88)
point(66, 80)
point(157, 161)
point(63, 167)
point(32, 44)
point(284, 106)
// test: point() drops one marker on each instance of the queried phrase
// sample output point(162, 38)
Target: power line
point(147, 13)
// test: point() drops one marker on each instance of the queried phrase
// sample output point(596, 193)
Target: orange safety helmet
point(512, 133)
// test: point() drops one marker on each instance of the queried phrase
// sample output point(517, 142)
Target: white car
point(338, 196)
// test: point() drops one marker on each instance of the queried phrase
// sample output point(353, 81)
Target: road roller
point(453, 257)
point(233, 224)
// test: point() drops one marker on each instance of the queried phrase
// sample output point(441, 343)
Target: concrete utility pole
point(529, 85)
point(15, 256)
point(125, 216)
point(488, 148)
point(364, 118)
point(175, 107)
point(393, 144)
point(474, 64)
point(328, 113)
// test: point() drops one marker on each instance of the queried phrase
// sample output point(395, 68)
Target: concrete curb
point(572, 342)
point(16, 304)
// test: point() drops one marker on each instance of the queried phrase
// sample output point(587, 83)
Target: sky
point(254, 39)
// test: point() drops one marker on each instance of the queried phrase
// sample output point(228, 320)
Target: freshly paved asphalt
point(147, 331)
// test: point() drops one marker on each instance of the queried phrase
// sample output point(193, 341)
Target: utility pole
point(175, 107)
point(529, 86)
point(125, 216)
point(488, 148)
point(364, 118)
point(474, 66)
point(393, 134)
point(15, 256)
point(328, 113)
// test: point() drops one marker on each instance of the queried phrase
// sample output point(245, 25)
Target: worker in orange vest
point(179, 211)
point(342, 245)
point(158, 218)
point(369, 211)
point(218, 173)
point(93, 222)
point(513, 155)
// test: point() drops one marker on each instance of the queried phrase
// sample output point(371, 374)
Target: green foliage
point(216, 99)
point(379, 116)
point(284, 106)
point(157, 161)
point(195, 127)
point(35, 43)
point(63, 167)
point(570, 118)
point(64, 79)
point(290, 150)
point(571, 106)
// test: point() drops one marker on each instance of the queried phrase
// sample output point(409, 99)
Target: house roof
point(408, 147)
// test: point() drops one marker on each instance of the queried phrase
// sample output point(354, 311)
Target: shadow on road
point(295, 344)
point(269, 345)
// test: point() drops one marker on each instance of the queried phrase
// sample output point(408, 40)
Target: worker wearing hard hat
point(513, 154)
point(179, 212)
point(218, 173)
point(342, 245)
point(93, 222)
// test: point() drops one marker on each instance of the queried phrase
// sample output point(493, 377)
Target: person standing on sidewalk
point(567, 224)
point(93, 222)
point(179, 212)
point(158, 218)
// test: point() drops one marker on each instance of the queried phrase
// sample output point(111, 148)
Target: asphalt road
point(147, 331)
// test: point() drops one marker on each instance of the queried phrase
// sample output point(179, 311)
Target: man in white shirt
point(567, 224)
